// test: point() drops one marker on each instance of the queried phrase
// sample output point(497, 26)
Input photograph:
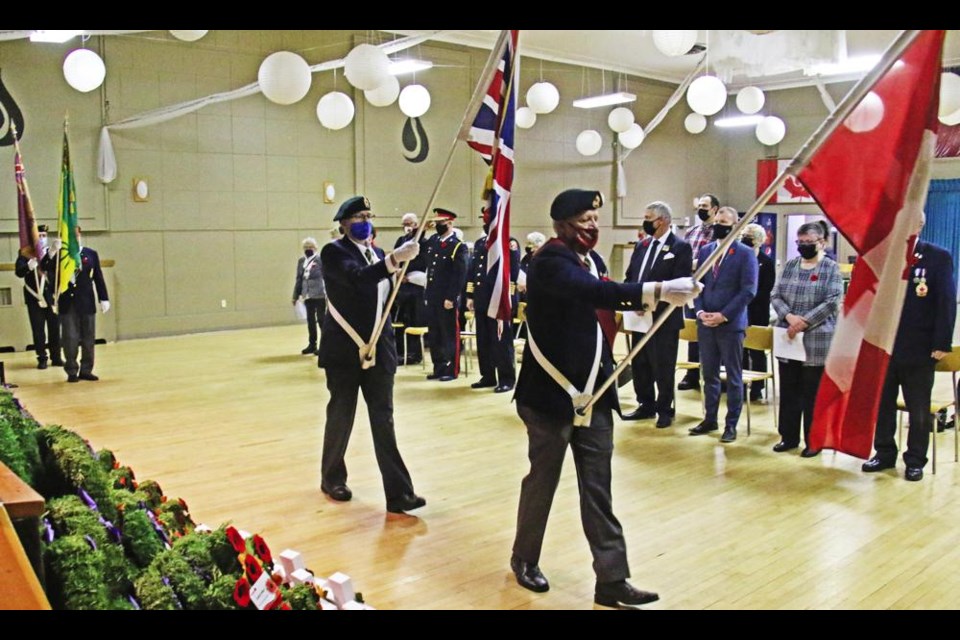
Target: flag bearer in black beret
point(446, 278)
point(357, 278)
point(566, 358)
point(38, 277)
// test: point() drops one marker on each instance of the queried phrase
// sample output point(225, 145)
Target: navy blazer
point(481, 282)
point(675, 260)
point(926, 322)
point(352, 288)
point(79, 295)
point(732, 289)
point(562, 302)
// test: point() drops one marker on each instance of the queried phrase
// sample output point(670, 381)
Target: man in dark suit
point(38, 275)
point(722, 323)
point(660, 256)
point(924, 336)
point(495, 353)
point(358, 286)
point(78, 313)
point(446, 280)
point(567, 357)
point(408, 307)
point(758, 311)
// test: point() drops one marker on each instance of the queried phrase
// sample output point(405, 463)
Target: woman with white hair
point(309, 288)
point(758, 311)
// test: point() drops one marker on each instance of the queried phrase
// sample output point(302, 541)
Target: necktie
point(587, 264)
point(369, 255)
point(651, 256)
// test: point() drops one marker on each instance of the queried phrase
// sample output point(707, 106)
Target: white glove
point(55, 246)
point(105, 305)
point(680, 291)
point(406, 252)
point(32, 264)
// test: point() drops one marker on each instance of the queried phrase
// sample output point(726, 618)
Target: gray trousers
point(78, 330)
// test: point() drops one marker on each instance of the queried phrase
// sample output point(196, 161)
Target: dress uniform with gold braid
point(446, 277)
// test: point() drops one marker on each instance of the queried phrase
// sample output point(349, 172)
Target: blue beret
point(573, 202)
point(354, 205)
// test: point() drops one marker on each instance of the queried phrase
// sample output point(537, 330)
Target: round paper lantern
point(384, 95)
point(867, 115)
point(84, 70)
point(335, 110)
point(284, 77)
point(187, 36)
point(620, 119)
point(750, 100)
point(525, 117)
point(695, 123)
point(543, 97)
point(589, 142)
point(414, 100)
point(952, 119)
point(949, 94)
point(771, 130)
point(366, 67)
point(632, 137)
point(706, 95)
point(674, 43)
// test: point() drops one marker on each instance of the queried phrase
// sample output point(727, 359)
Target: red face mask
point(587, 238)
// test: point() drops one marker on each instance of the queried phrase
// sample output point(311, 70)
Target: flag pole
point(800, 160)
point(368, 354)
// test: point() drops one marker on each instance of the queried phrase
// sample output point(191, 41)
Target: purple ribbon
point(158, 528)
point(112, 530)
point(91, 542)
point(48, 533)
point(176, 598)
point(91, 503)
point(133, 601)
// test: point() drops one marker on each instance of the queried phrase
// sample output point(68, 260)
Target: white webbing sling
point(367, 360)
point(578, 397)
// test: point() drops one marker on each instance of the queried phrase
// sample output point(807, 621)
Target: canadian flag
point(791, 191)
point(870, 177)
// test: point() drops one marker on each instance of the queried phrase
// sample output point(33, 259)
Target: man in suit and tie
point(358, 283)
point(924, 336)
point(446, 281)
point(660, 256)
point(721, 312)
point(78, 314)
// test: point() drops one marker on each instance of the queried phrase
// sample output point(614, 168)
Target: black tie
point(651, 254)
point(369, 255)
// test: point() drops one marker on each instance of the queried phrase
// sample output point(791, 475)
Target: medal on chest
point(920, 279)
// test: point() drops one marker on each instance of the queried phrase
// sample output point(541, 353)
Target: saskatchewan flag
point(67, 210)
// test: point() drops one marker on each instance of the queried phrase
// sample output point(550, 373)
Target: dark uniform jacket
point(446, 270)
point(758, 311)
point(480, 283)
point(45, 266)
point(675, 260)
point(352, 288)
point(79, 295)
point(926, 322)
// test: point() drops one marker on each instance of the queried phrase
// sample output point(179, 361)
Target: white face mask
point(43, 241)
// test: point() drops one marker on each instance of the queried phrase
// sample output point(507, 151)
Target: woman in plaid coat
point(806, 299)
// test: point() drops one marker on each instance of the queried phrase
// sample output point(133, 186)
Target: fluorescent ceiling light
point(605, 100)
point(738, 121)
point(398, 67)
point(856, 64)
point(58, 36)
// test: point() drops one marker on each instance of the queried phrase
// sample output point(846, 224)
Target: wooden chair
point(759, 339)
point(520, 321)
point(689, 334)
point(418, 332)
point(949, 363)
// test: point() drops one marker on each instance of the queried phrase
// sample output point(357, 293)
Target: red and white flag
point(870, 177)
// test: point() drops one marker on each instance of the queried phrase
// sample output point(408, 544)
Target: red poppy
point(241, 592)
point(239, 544)
point(252, 568)
point(814, 278)
point(285, 606)
point(730, 253)
point(262, 550)
point(183, 504)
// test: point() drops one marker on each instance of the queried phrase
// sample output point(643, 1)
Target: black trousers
point(656, 364)
point(798, 394)
point(444, 335)
point(409, 311)
point(45, 327)
point(693, 350)
point(592, 448)
point(495, 355)
point(344, 383)
point(916, 381)
point(755, 360)
point(78, 332)
point(316, 309)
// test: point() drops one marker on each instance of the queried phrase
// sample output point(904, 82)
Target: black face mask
point(442, 228)
point(748, 242)
point(308, 252)
point(808, 251)
point(721, 231)
point(529, 250)
point(703, 214)
point(648, 227)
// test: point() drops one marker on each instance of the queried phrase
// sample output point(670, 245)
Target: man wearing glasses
point(357, 279)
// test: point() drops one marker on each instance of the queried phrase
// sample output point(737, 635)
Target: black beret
point(573, 202)
point(445, 213)
point(354, 205)
point(42, 228)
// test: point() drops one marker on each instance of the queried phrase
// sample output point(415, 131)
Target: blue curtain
point(943, 218)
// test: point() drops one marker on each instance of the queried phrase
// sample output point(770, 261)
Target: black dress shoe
point(340, 493)
point(756, 397)
point(447, 378)
point(433, 376)
point(642, 413)
point(529, 575)
point(406, 502)
point(73, 378)
point(42, 364)
point(703, 427)
point(309, 350)
point(914, 474)
point(622, 593)
point(809, 453)
point(483, 384)
point(729, 435)
point(664, 421)
point(503, 388)
point(783, 446)
point(88, 376)
point(876, 464)
point(687, 385)
point(413, 360)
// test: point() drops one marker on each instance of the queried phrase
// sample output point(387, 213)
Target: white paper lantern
point(525, 117)
point(543, 97)
point(771, 130)
point(674, 43)
point(84, 70)
point(284, 77)
point(366, 67)
point(187, 36)
point(335, 110)
point(949, 94)
point(867, 115)
point(706, 95)
point(695, 123)
point(952, 119)
point(384, 95)
point(750, 100)
point(620, 119)
point(414, 100)
point(632, 137)
point(589, 142)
